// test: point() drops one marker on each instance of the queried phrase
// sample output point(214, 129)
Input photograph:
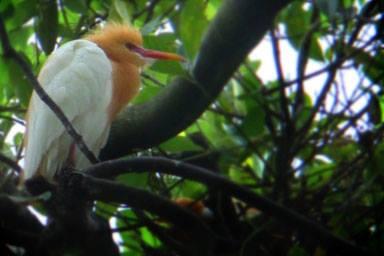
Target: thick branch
point(202, 237)
point(110, 169)
point(237, 28)
point(18, 226)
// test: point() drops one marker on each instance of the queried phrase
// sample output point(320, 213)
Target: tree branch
point(110, 169)
point(18, 227)
point(202, 237)
point(237, 28)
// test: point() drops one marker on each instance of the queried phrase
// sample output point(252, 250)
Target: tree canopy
point(213, 157)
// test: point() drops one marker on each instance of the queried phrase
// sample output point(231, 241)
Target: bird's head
point(123, 43)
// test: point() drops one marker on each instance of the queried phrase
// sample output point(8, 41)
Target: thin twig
point(302, 61)
point(12, 119)
point(152, 79)
point(287, 137)
point(11, 163)
point(281, 80)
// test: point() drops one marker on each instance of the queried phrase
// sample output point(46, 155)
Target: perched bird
point(91, 80)
point(196, 206)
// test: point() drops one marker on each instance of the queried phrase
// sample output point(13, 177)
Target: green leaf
point(18, 13)
point(213, 127)
point(373, 66)
point(381, 103)
point(249, 73)
point(238, 175)
point(298, 24)
point(254, 122)
point(189, 189)
point(145, 94)
point(230, 98)
point(120, 11)
point(179, 144)
point(315, 51)
point(305, 111)
point(374, 69)
point(164, 42)
point(20, 83)
point(149, 238)
point(105, 210)
point(18, 139)
point(319, 173)
point(79, 6)
point(100, 6)
point(47, 25)
point(192, 25)
point(134, 179)
point(130, 239)
point(19, 38)
point(297, 250)
point(256, 165)
point(5, 5)
point(129, 252)
point(6, 88)
point(212, 7)
point(341, 149)
point(151, 26)
point(375, 109)
point(329, 7)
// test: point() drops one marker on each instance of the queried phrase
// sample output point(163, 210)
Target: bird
point(196, 206)
point(91, 80)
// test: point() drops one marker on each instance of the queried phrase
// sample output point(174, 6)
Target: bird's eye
point(129, 46)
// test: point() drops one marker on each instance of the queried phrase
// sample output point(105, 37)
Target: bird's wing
point(78, 78)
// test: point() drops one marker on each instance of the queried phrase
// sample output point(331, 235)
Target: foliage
point(315, 151)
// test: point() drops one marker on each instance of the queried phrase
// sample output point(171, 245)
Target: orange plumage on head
point(113, 39)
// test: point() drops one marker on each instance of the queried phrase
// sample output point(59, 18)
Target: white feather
point(78, 78)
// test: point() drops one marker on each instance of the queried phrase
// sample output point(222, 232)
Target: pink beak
point(147, 53)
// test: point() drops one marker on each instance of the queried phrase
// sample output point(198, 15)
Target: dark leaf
point(47, 25)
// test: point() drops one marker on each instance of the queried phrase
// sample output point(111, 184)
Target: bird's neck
point(126, 84)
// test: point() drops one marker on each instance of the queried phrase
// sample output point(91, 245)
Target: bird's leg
point(69, 164)
point(71, 160)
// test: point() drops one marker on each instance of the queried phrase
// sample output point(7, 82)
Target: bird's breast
point(125, 84)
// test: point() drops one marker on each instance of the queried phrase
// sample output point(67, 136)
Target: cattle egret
point(91, 80)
